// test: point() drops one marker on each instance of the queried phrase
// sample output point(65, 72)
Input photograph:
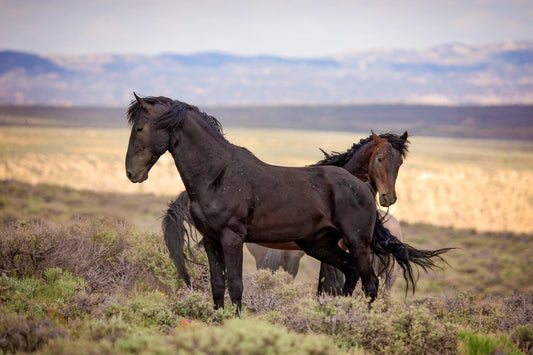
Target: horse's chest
point(214, 215)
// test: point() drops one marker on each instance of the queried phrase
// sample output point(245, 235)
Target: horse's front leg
point(232, 245)
point(215, 255)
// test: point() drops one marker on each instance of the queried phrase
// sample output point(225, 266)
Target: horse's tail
point(385, 244)
point(174, 232)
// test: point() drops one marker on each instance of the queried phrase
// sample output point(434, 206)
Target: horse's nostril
point(128, 174)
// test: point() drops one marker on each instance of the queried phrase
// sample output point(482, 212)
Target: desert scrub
point(158, 270)
point(110, 329)
point(236, 336)
point(153, 310)
point(523, 337)
point(18, 333)
point(266, 291)
point(484, 315)
point(250, 336)
point(384, 328)
point(191, 304)
point(106, 254)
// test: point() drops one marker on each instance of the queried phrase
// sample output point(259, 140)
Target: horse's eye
point(379, 159)
point(139, 129)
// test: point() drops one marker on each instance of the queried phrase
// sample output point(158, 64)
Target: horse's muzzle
point(137, 179)
point(386, 200)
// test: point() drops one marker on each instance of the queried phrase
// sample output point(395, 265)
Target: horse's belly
point(281, 246)
point(282, 228)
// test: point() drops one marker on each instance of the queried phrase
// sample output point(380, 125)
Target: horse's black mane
point(173, 117)
point(339, 159)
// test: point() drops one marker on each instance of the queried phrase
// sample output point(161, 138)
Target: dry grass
point(474, 184)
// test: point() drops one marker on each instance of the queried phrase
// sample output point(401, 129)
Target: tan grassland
point(486, 185)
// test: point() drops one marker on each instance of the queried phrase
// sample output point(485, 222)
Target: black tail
point(385, 244)
point(174, 232)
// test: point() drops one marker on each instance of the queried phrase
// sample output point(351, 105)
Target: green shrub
point(152, 310)
point(265, 291)
point(523, 337)
point(479, 344)
point(110, 329)
point(136, 342)
point(149, 251)
point(40, 298)
point(197, 305)
point(249, 336)
point(235, 336)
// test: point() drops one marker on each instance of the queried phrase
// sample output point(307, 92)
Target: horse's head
point(383, 168)
point(147, 141)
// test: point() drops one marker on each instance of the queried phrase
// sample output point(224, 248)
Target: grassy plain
point(486, 185)
point(66, 206)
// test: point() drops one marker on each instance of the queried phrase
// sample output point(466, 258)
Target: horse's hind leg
point(325, 248)
point(363, 263)
point(359, 248)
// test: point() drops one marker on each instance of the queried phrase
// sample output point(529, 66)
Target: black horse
point(375, 159)
point(237, 198)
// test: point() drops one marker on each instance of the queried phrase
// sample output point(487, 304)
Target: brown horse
point(237, 198)
point(376, 160)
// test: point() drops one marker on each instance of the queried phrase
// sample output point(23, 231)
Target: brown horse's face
point(383, 170)
point(146, 145)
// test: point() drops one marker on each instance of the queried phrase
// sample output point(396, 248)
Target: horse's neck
point(360, 162)
point(200, 154)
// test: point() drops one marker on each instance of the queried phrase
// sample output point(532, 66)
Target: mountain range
point(452, 74)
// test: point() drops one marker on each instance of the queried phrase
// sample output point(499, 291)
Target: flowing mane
point(339, 159)
point(173, 117)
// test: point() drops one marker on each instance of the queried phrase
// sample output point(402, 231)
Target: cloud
point(295, 28)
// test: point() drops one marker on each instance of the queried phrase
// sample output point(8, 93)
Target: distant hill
point(451, 74)
point(11, 61)
point(500, 122)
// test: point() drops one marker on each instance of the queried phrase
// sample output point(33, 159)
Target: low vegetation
point(98, 283)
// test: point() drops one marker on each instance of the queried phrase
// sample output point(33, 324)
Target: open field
point(87, 272)
point(486, 185)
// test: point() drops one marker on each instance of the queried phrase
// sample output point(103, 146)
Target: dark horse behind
point(237, 198)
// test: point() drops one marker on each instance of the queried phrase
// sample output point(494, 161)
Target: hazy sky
point(281, 27)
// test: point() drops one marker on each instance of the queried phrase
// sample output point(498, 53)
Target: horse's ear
point(377, 138)
point(141, 102)
point(404, 136)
